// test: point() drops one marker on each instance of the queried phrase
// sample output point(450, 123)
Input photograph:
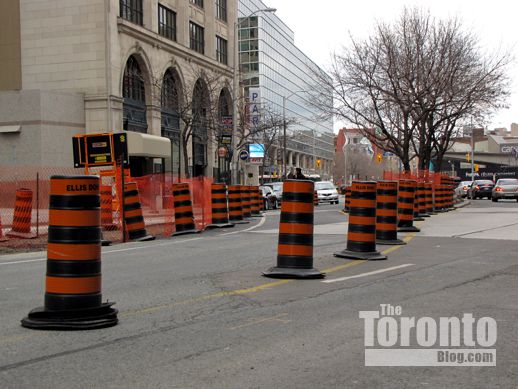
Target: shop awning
point(146, 145)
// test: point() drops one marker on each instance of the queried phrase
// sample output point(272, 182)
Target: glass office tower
point(270, 61)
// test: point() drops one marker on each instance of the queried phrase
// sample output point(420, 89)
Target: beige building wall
point(10, 45)
point(78, 46)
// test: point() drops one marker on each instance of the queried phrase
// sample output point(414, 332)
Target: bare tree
point(413, 81)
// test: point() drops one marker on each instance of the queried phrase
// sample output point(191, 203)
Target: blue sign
point(243, 155)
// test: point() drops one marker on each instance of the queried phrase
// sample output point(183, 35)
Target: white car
point(326, 192)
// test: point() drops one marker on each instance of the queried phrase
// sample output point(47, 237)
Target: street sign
point(256, 161)
point(243, 155)
point(102, 149)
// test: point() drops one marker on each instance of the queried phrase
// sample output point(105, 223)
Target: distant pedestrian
point(299, 175)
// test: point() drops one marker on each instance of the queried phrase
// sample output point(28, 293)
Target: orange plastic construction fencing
point(155, 194)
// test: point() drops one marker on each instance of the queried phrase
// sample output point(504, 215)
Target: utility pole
point(472, 151)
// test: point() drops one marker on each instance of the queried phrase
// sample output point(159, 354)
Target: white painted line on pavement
point(248, 229)
point(369, 273)
point(107, 252)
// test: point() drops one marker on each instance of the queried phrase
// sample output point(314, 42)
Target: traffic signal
point(318, 163)
point(475, 166)
point(468, 157)
point(379, 158)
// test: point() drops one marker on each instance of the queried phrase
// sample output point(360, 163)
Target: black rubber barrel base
point(194, 231)
point(74, 320)
point(371, 255)
point(408, 229)
point(144, 238)
point(105, 242)
point(288, 272)
point(220, 225)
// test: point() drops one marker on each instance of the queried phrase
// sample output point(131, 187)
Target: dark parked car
point(505, 188)
point(480, 189)
point(277, 188)
point(269, 198)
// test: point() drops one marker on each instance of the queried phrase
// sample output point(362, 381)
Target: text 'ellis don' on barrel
point(295, 248)
point(361, 235)
point(73, 299)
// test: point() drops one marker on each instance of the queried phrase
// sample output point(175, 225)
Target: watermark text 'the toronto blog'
point(392, 339)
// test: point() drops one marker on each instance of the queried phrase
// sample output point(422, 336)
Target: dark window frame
point(166, 22)
point(196, 37)
point(221, 10)
point(132, 10)
point(221, 50)
point(199, 3)
point(133, 86)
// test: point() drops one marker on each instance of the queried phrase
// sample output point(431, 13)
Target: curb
point(463, 204)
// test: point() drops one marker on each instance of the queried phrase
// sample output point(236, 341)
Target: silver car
point(505, 188)
point(326, 192)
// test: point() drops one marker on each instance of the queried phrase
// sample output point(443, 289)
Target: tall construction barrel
point(73, 299)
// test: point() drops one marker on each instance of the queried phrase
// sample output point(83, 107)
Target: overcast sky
point(322, 27)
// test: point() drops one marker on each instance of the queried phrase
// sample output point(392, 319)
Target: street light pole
point(472, 152)
point(284, 137)
point(235, 156)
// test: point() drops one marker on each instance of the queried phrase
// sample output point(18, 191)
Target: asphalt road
point(195, 311)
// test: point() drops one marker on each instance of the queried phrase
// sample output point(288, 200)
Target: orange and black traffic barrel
point(235, 207)
point(386, 213)
point(260, 199)
point(347, 199)
point(183, 214)
point(417, 215)
point(22, 215)
point(73, 299)
point(295, 247)
point(406, 196)
point(421, 195)
point(133, 218)
point(245, 201)
point(361, 235)
point(219, 207)
point(255, 201)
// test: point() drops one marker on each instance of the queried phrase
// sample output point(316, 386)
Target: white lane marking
point(368, 274)
point(263, 219)
point(107, 252)
point(29, 260)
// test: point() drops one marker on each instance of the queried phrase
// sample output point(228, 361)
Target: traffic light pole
point(472, 152)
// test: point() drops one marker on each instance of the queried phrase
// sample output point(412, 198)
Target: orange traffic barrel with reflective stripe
point(347, 198)
point(406, 197)
point(386, 213)
point(255, 201)
point(133, 218)
point(417, 215)
point(219, 207)
point(260, 199)
point(361, 234)
point(295, 245)
point(22, 216)
point(235, 207)
point(73, 298)
point(183, 215)
point(421, 195)
point(315, 198)
point(245, 201)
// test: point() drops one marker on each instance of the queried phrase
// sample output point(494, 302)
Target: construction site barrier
point(245, 201)
point(406, 197)
point(22, 215)
point(135, 225)
point(73, 298)
point(183, 213)
point(219, 207)
point(295, 248)
point(361, 234)
point(235, 207)
point(386, 213)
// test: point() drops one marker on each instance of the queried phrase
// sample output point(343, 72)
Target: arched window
point(170, 120)
point(169, 99)
point(134, 94)
point(133, 82)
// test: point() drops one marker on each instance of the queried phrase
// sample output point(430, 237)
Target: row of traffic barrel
point(377, 212)
point(73, 299)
